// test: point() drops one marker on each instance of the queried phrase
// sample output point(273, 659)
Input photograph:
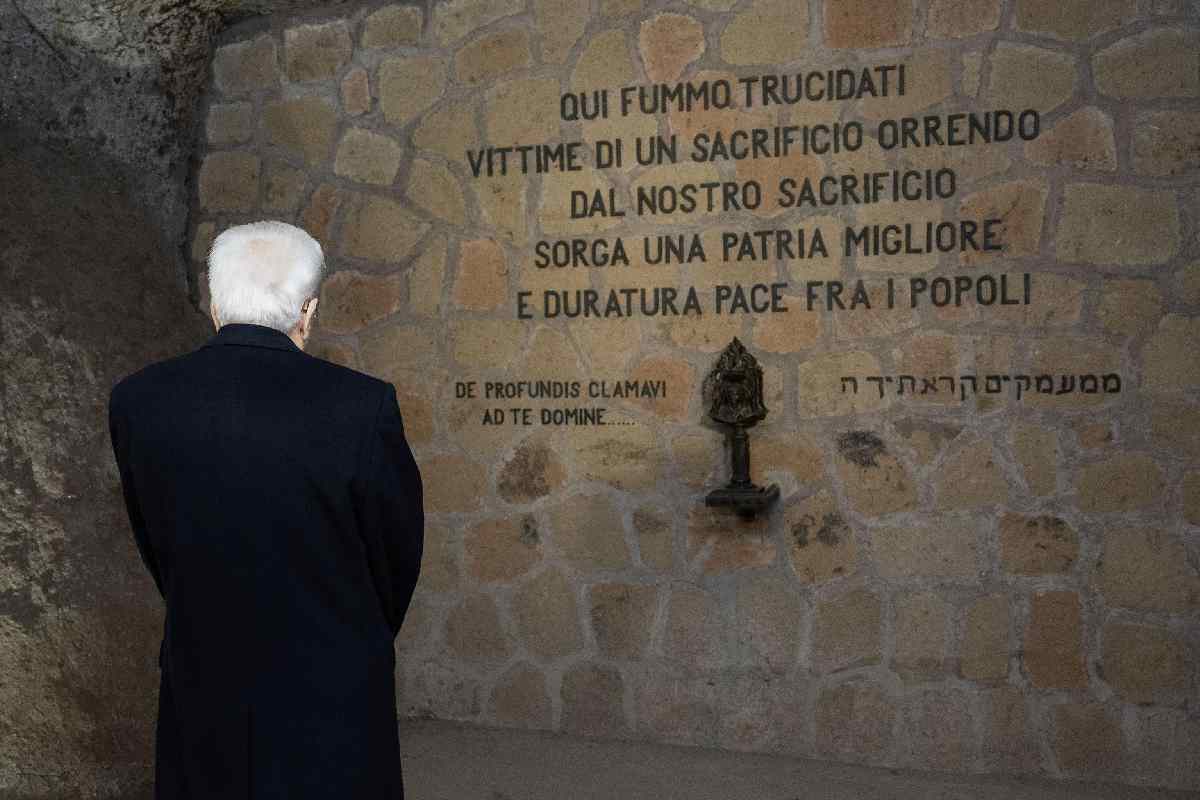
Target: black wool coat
point(276, 503)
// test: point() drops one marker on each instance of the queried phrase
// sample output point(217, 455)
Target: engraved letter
point(1115, 386)
point(948, 378)
point(928, 384)
point(992, 384)
point(1086, 381)
point(1045, 384)
point(1066, 384)
point(877, 379)
point(912, 389)
point(962, 385)
point(852, 380)
point(1023, 379)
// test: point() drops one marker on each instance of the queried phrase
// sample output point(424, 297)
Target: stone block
point(765, 713)
point(283, 187)
point(695, 628)
point(352, 300)
point(532, 471)
point(986, 645)
point(1175, 425)
point(1081, 140)
point(1009, 85)
point(725, 542)
point(303, 125)
point(502, 549)
point(1037, 545)
point(1190, 491)
point(937, 731)
point(1009, 742)
point(876, 482)
point(202, 241)
point(820, 540)
point(622, 617)
point(434, 188)
point(380, 229)
point(936, 547)
point(1159, 62)
point(668, 43)
point(561, 23)
point(1147, 569)
point(677, 706)
point(1147, 664)
point(767, 32)
point(356, 92)
point(847, 631)
point(1167, 143)
point(855, 721)
point(519, 698)
point(862, 23)
point(244, 67)
point(392, 26)
point(482, 280)
point(955, 19)
point(971, 478)
point(408, 85)
point(474, 632)
point(1057, 364)
point(593, 700)
point(1125, 482)
point(546, 615)
point(921, 622)
point(229, 123)
point(1074, 19)
point(1167, 361)
point(492, 55)
point(590, 534)
point(1087, 740)
point(655, 538)
point(769, 611)
point(449, 129)
point(425, 278)
point(455, 19)
point(1186, 283)
point(367, 157)
point(316, 52)
point(452, 484)
point(228, 181)
point(1053, 652)
point(317, 217)
point(622, 457)
point(1036, 449)
point(1021, 207)
point(1129, 307)
point(1120, 225)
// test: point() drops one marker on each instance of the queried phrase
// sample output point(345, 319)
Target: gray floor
point(447, 761)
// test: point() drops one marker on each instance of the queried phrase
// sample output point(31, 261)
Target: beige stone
point(1053, 652)
point(1057, 367)
point(503, 206)
point(392, 26)
point(695, 628)
point(1087, 740)
point(425, 279)
point(954, 19)
point(304, 125)
point(352, 300)
point(492, 55)
point(1167, 143)
point(699, 119)
point(318, 216)
point(763, 712)
point(855, 721)
point(417, 410)
point(985, 645)
point(1074, 19)
point(507, 116)
point(1168, 356)
point(937, 730)
point(455, 19)
point(1147, 569)
point(655, 538)
point(607, 63)
point(619, 8)
point(727, 542)
point(1081, 140)
point(449, 129)
point(519, 698)
point(821, 542)
point(1186, 283)
point(485, 343)
point(937, 547)
point(379, 229)
point(283, 187)
point(1020, 206)
point(929, 80)
point(971, 478)
point(1092, 435)
point(1121, 225)
point(622, 617)
point(846, 632)
point(1160, 62)
point(206, 232)
point(593, 700)
point(708, 333)
point(1037, 545)
point(550, 356)
point(822, 393)
point(1036, 450)
point(668, 43)
point(474, 632)
point(921, 621)
point(315, 52)
point(1190, 491)
point(228, 181)
point(876, 482)
point(1175, 425)
point(545, 612)
point(408, 85)
point(1129, 307)
point(229, 123)
point(339, 353)
point(561, 23)
point(590, 534)
point(367, 157)
point(532, 471)
point(502, 549)
point(972, 68)
point(680, 380)
point(861, 23)
point(482, 281)
point(244, 67)
point(787, 333)
point(1146, 664)
point(623, 457)
point(769, 611)
point(356, 92)
point(927, 439)
point(1125, 482)
point(677, 706)
point(452, 483)
point(1009, 744)
point(767, 32)
point(1009, 85)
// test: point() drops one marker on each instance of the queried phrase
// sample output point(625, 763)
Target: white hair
point(262, 272)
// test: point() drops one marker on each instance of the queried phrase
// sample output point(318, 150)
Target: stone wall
point(985, 557)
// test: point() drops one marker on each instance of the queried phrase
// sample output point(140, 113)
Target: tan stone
point(356, 92)
point(1175, 425)
point(408, 85)
point(229, 123)
point(1087, 740)
point(929, 80)
point(244, 67)
point(689, 123)
point(474, 632)
point(1058, 365)
point(351, 300)
point(425, 278)
point(482, 281)
point(655, 538)
point(593, 700)
point(708, 333)
point(379, 229)
point(762, 712)
point(874, 322)
point(1053, 640)
point(622, 616)
point(367, 157)
point(695, 628)
point(453, 483)
point(485, 343)
point(623, 457)
point(787, 333)
point(1021, 208)
point(986, 639)
point(1129, 307)
point(534, 470)
point(884, 214)
point(822, 393)
point(769, 611)
point(936, 547)
point(619, 8)
point(954, 19)
point(1125, 482)
point(876, 482)
point(1186, 283)
point(493, 55)
point(1147, 569)
point(1122, 225)
point(921, 621)
point(304, 125)
point(449, 129)
point(590, 534)
point(202, 241)
point(1036, 449)
point(1009, 744)
point(544, 609)
point(937, 730)
point(927, 439)
point(1081, 140)
point(340, 353)
point(607, 63)
point(228, 181)
point(1092, 435)
point(502, 549)
point(520, 699)
point(417, 412)
point(680, 384)
point(677, 706)
point(862, 23)
point(1009, 85)
point(727, 542)
point(1037, 545)
point(971, 478)
point(1146, 664)
point(846, 632)
point(821, 542)
point(1074, 19)
point(972, 68)
point(455, 19)
point(392, 26)
point(283, 187)
point(855, 721)
point(1168, 358)
point(317, 217)
point(767, 32)
point(550, 356)
point(669, 42)
point(561, 23)
point(507, 116)
point(1167, 143)
point(315, 52)
point(1160, 62)
point(1190, 491)
point(503, 206)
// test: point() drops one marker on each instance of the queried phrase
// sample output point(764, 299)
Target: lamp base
point(747, 501)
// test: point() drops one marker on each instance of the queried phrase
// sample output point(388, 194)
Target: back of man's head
point(262, 272)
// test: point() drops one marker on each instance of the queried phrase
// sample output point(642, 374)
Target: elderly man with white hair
point(277, 506)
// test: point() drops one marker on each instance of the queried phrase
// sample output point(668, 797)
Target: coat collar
point(248, 333)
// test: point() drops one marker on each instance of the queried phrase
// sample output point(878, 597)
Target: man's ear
point(212, 312)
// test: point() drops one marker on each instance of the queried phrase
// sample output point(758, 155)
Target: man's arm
point(119, 434)
point(390, 511)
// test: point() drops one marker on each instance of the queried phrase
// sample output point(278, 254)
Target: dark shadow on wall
point(88, 294)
